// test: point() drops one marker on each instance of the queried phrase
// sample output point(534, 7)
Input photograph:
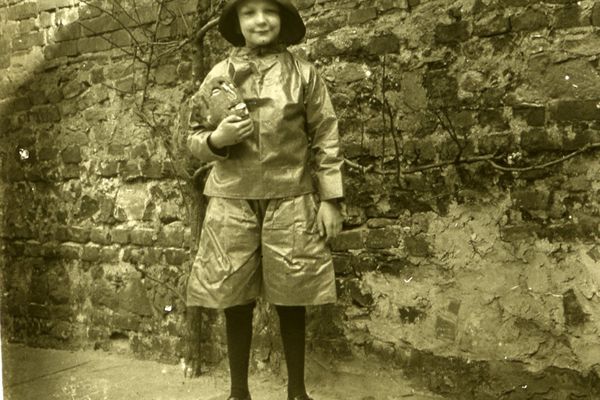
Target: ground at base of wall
point(94, 375)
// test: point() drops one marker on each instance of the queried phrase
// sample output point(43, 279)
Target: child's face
point(260, 22)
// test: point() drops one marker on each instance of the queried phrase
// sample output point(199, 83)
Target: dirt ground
point(30, 374)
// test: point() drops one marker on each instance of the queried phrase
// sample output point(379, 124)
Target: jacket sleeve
point(200, 129)
point(322, 126)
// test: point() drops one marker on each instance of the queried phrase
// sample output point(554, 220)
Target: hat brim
point(292, 25)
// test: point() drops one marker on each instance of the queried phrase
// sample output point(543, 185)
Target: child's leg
point(292, 325)
point(238, 321)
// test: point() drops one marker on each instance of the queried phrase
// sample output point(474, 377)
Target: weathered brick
point(28, 40)
point(45, 5)
point(575, 110)
point(491, 26)
point(453, 33)
point(532, 199)
point(382, 238)
point(92, 45)
point(69, 251)
point(71, 155)
point(100, 235)
point(143, 236)
point(71, 171)
point(417, 246)
point(67, 32)
point(172, 235)
point(349, 240)
point(362, 15)
point(73, 89)
point(152, 169)
point(91, 252)
point(535, 140)
point(121, 38)
point(176, 256)
point(529, 20)
point(98, 25)
point(78, 234)
point(27, 25)
point(383, 44)
point(46, 19)
point(108, 169)
point(109, 254)
point(493, 118)
point(22, 11)
point(45, 113)
point(120, 235)
point(596, 14)
point(445, 328)
point(533, 115)
point(62, 49)
point(569, 17)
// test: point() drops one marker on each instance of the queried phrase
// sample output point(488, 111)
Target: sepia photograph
point(300, 199)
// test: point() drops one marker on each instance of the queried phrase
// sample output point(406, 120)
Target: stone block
point(27, 26)
point(62, 49)
point(452, 33)
point(121, 38)
point(71, 155)
point(91, 253)
point(596, 14)
point(22, 11)
point(166, 74)
point(529, 20)
point(569, 17)
point(109, 254)
point(46, 20)
point(417, 246)
point(573, 311)
point(70, 251)
point(152, 169)
point(531, 199)
point(171, 236)
point(108, 169)
point(68, 32)
point(382, 238)
point(46, 5)
point(575, 110)
point(143, 236)
point(383, 44)
point(494, 118)
point(28, 40)
point(349, 240)
point(98, 25)
point(100, 235)
point(492, 26)
point(45, 114)
point(533, 115)
point(78, 234)
point(362, 15)
point(445, 328)
point(92, 45)
point(176, 256)
point(536, 140)
point(120, 235)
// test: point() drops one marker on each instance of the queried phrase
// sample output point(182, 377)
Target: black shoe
point(239, 398)
point(301, 397)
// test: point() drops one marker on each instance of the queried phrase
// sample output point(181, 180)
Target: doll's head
point(218, 98)
point(255, 23)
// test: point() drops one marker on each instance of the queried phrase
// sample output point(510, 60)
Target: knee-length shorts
point(261, 248)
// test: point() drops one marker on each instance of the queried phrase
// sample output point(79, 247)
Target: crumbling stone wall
point(471, 131)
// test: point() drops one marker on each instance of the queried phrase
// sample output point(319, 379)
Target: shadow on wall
point(95, 212)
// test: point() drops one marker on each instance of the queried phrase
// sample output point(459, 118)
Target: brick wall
point(471, 130)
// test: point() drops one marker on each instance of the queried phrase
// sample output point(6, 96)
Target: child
point(274, 189)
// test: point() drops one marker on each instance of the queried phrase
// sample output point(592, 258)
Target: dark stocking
point(238, 322)
point(292, 325)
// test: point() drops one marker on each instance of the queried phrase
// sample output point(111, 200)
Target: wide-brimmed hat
point(292, 26)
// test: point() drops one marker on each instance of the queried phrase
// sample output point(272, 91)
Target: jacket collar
point(261, 51)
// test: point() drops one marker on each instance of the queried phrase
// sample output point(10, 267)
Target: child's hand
point(329, 219)
point(232, 130)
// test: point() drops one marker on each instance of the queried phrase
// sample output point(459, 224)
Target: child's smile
point(260, 22)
